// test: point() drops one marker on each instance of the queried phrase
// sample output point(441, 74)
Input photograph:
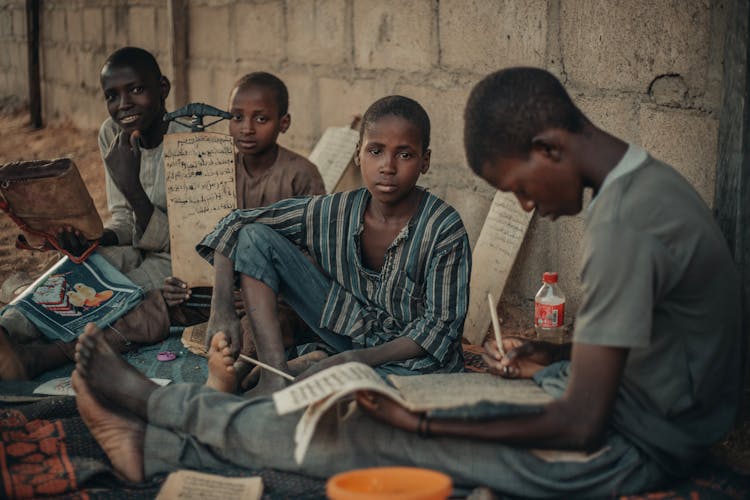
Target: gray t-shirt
point(658, 279)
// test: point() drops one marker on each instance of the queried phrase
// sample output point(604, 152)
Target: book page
point(200, 183)
point(190, 485)
point(447, 390)
point(333, 153)
point(62, 386)
point(340, 379)
point(492, 260)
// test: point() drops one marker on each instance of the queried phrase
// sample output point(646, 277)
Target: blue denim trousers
point(265, 255)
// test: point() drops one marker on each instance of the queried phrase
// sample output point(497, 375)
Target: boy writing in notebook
point(389, 281)
point(653, 378)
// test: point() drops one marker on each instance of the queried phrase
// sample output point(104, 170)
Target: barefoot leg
point(261, 305)
point(221, 373)
point(26, 361)
point(108, 376)
point(120, 437)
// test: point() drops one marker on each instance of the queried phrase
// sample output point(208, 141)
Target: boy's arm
point(577, 421)
point(119, 229)
point(446, 299)
point(123, 160)
point(285, 217)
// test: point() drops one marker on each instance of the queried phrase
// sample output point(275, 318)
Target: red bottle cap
point(549, 278)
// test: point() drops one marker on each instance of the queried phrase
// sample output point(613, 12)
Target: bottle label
point(549, 316)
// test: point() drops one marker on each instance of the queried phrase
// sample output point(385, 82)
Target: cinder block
point(50, 57)
point(617, 115)
point(200, 80)
point(89, 68)
point(209, 32)
point(259, 31)
point(115, 27)
point(445, 108)
point(69, 71)
point(340, 99)
point(93, 31)
point(142, 28)
point(303, 98)
point(74, 21)
point(19, 24)
point(319, 32)
point(625, 45)
point(686, 140)
point(6, 23)
point(223, 82)
point(53, 23)
point(395, 34)
point(483, 36)
point(162, 33)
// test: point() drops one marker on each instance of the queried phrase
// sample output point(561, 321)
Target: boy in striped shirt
point(387, 282)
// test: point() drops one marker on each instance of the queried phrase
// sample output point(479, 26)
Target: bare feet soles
point(221, 373)
point(110, 377)
point(120, 437)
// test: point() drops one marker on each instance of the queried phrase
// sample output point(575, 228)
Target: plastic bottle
point(549, 310)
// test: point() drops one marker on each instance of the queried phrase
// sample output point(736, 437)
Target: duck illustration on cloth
point(85, 296)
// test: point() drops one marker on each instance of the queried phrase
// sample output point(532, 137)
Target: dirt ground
point(19, 142)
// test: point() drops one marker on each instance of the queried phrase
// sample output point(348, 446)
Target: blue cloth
point(420, 293)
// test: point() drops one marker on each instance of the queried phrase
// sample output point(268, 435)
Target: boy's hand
point(124, 162)
point(175, 291)
point(72, 240)
point(523, 358)
point(386, 410)
point(336, 359)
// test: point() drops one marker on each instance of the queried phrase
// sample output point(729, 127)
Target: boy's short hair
point(508, 108)
point(269, 81)
point(403, 107)
point(134, 57)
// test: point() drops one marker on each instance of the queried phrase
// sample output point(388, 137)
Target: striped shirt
point(421, 292)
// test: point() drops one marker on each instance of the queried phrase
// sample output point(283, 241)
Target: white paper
point(332, 154)
point(191, 485)
point(62, 386)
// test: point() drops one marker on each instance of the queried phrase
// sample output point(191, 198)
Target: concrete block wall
point(649, 71)
point(14, 70)
point(76, 38)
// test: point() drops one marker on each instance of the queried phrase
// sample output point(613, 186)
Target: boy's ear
point(165, 87)
point(285, 123)
point(425, 161)
point(356, 155)
point(549, 143)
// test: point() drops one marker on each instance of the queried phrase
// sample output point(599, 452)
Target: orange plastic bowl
point(402, 483)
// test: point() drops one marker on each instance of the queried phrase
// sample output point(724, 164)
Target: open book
point(69, 295)
point(445, 395)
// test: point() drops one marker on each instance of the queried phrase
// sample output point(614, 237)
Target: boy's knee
point(256, 237)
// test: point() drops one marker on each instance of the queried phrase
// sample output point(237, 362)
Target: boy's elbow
point(584, 431)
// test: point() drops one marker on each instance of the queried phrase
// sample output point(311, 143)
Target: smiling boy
point(389, 282)
point(136, 238)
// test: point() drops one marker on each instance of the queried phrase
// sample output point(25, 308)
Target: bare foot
point(12, 362)
point(225, 321)
point(120, 437)
point(108, 376)
point(267, 385)
point(221, 373)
